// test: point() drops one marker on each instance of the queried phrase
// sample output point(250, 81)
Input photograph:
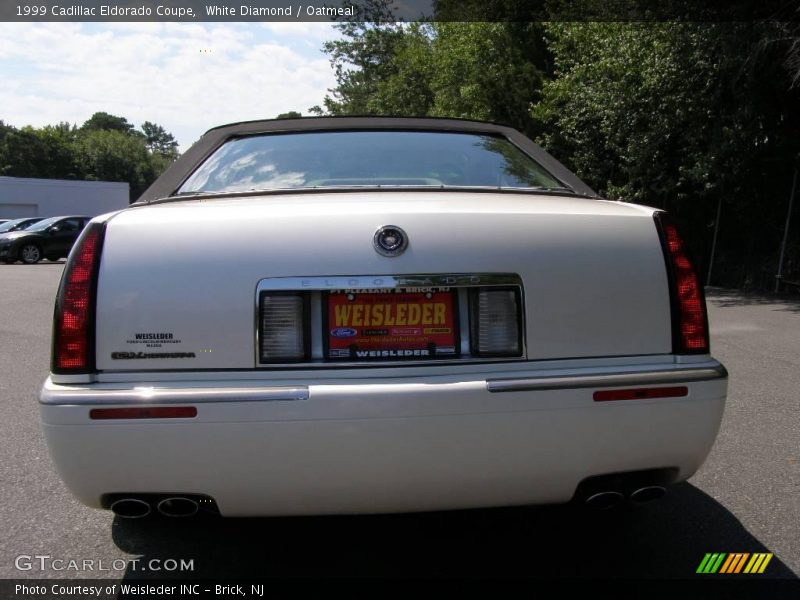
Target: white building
point(23, 197)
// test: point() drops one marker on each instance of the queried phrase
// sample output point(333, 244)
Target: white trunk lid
point(180, 278)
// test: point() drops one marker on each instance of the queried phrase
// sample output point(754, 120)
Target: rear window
point(44, 224)
point(11, 225)
point(367, 158)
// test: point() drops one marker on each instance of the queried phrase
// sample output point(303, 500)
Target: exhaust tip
point(604, 500)
point(178, 507)
point(130, 508)
point(648, 494)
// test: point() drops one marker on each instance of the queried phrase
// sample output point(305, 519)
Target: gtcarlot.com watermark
point(46, 562)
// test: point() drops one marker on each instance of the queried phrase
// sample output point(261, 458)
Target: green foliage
point(105, 121)
point(292, 114)
point(20, 152)
point(361, 61)
point(111, 155)
point(665, 113)
point(490, 71)
point(404, 88)
point(159, 140)
point(105, 148)
point(679, 115)
point(57, 159)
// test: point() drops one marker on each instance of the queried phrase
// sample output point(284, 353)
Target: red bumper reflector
point(641, 393)
point(143, 412)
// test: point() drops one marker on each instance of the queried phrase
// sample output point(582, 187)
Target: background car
point(18, 224)
point(49, 238)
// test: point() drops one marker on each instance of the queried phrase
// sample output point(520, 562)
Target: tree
point(360, 60)
point(56, 145)
point(159, 140)
point(680, 115)
point(104, 148)
point(112, 155)
point(488, 71)
point(20, 152)
point(45, 152)
point(105, 121)
point(479, 70)
point(292, 114)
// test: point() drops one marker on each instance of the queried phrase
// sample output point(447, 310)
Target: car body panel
point(180, 277)
point(576, 258)
point(396, 444)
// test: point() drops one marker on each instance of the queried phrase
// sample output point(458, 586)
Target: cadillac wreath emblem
point(390, 240)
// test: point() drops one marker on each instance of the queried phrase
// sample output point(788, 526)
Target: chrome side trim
point(652, 377)
point(67, 395)
point(149, 395)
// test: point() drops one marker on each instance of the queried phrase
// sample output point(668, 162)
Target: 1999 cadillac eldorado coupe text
point(347, 315)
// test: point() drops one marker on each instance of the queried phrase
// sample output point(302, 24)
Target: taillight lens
point(283, 323)
point(689, 318)
point(73, 330)
point(495, 322)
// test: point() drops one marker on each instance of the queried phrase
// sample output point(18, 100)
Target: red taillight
point(689, 320)
point(73, 332)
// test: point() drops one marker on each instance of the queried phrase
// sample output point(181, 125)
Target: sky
point(186, 77)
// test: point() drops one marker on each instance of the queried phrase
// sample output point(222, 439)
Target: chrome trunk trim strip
point(640, 377)
point(144, 396)
point(388, 281)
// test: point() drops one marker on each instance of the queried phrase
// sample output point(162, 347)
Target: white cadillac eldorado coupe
point(360, 315)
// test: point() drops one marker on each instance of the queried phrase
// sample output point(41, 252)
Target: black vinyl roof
point(176, 174)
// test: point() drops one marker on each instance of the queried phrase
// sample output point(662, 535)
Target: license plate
point(396, 324)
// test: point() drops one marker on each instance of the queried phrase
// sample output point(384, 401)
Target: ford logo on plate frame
point(390, 240)
point(343, 332)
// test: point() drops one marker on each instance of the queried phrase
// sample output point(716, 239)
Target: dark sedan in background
point(17, 224)
point(49, 238)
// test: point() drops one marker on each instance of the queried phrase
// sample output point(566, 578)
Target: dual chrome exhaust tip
point(604, 492)
point(178, 507)
point(648, 494)
point(136, 508)
point(607, 499)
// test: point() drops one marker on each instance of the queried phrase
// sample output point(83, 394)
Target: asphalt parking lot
point(746, 498)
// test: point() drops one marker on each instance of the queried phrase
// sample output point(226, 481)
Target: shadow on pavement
point(787, 301)
point(666, 539)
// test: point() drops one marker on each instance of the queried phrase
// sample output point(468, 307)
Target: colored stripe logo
point(734, 562)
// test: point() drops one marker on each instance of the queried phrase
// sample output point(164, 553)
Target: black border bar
point(195, 11)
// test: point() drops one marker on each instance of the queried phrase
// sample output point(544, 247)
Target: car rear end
point(259, 356)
